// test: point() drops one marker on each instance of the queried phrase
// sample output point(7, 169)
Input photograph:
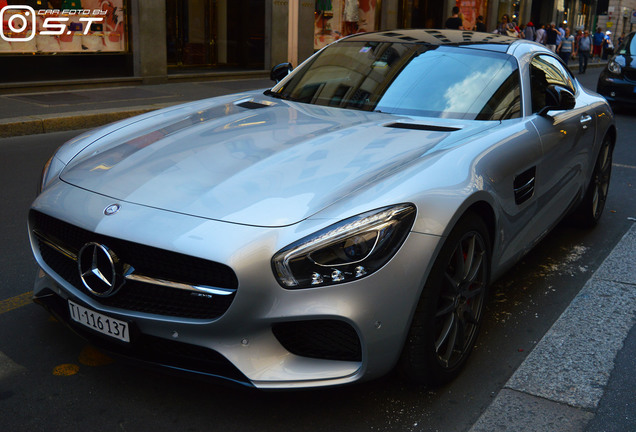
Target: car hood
point(258, 160)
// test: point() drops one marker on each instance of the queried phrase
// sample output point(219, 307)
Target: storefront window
point(63, 26)
point(510, 8)
point(334, 19)
point(218, 33)
point(469, 11)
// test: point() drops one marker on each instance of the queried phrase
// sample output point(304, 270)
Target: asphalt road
point(51, 380)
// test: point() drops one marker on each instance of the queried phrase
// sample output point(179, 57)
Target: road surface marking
point(624, 166)
point(66, 369)
point(8, 366)
point(15, 302)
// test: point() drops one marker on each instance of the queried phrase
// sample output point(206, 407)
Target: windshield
point(412, 79)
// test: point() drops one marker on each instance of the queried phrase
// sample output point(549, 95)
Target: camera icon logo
point(17, 20)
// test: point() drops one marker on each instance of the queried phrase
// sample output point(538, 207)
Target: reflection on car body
point(344, 223)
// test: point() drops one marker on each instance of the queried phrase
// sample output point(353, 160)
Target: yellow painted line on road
point(15, 302)
point(67, 369)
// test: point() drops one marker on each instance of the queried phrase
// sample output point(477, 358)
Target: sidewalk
point(560, 385)
point(45, 109)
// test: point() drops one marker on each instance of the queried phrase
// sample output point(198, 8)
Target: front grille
point(146, 260)
point(321, 339)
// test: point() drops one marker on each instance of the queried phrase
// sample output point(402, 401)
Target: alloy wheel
point(461, 300)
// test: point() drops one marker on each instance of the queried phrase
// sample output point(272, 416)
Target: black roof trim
point(435, 37)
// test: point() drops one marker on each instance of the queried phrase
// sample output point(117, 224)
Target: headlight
point(614, 67)
point(51, 169)
point(345, 251)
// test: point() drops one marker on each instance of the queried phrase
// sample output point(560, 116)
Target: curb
point(46, 123)
point(559, 385)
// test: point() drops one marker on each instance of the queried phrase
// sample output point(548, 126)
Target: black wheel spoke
point(450, 344)
point(452, 283)
point(467, 261)
point(476, 268)
point(474, 292)
point(459, 345)
point(458, 264)
point(450, 307)
point(449, 324)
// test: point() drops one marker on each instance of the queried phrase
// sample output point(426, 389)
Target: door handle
point(586, 119)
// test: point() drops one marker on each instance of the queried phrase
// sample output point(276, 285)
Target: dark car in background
point(617, 82)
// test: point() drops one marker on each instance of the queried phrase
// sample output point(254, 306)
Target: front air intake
point(320, 339)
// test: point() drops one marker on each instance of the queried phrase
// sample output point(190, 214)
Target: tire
point(589, 212)
point(449, 313)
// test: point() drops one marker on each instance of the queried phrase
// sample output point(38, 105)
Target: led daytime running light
point(384, 219)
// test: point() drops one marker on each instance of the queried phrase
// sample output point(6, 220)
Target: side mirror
point(280, 71)
point(557, 98)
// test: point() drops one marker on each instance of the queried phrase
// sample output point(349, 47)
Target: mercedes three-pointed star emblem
point(99, 269)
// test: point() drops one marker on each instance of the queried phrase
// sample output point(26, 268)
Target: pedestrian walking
point(507, 27)
point(540, 35)
point(560, 35)
point(577, 38)
point(566, 47)
point(551, 34)
point(608, 46)
point(454, 21)
point(480, 26)
point(597, 44)
point(530, 32)
point(582, 50)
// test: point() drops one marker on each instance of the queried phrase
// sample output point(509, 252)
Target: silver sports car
point(344, 223)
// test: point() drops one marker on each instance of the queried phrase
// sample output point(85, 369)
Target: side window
point(632, 44)
point(544, 71)
point(505, 103)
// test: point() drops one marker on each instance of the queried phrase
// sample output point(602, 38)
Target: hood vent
point(251, 105)
point(422, 127)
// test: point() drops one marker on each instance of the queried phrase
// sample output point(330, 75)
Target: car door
point(566, 138)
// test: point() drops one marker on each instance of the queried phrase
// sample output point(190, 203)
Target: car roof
point(489, 41)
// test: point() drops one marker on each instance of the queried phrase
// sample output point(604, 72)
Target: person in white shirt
point(540, 35)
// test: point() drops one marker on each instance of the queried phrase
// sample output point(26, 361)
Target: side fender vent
point(524, 185)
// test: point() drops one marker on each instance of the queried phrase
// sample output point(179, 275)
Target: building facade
point(617, 17)
point(152, 40)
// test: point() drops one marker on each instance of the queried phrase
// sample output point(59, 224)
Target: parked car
point(346, 222)
point(617, 82)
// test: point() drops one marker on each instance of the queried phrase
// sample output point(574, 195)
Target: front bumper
point(244, 344)
point(616, 89)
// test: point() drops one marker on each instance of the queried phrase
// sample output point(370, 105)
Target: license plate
point(104, 324)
